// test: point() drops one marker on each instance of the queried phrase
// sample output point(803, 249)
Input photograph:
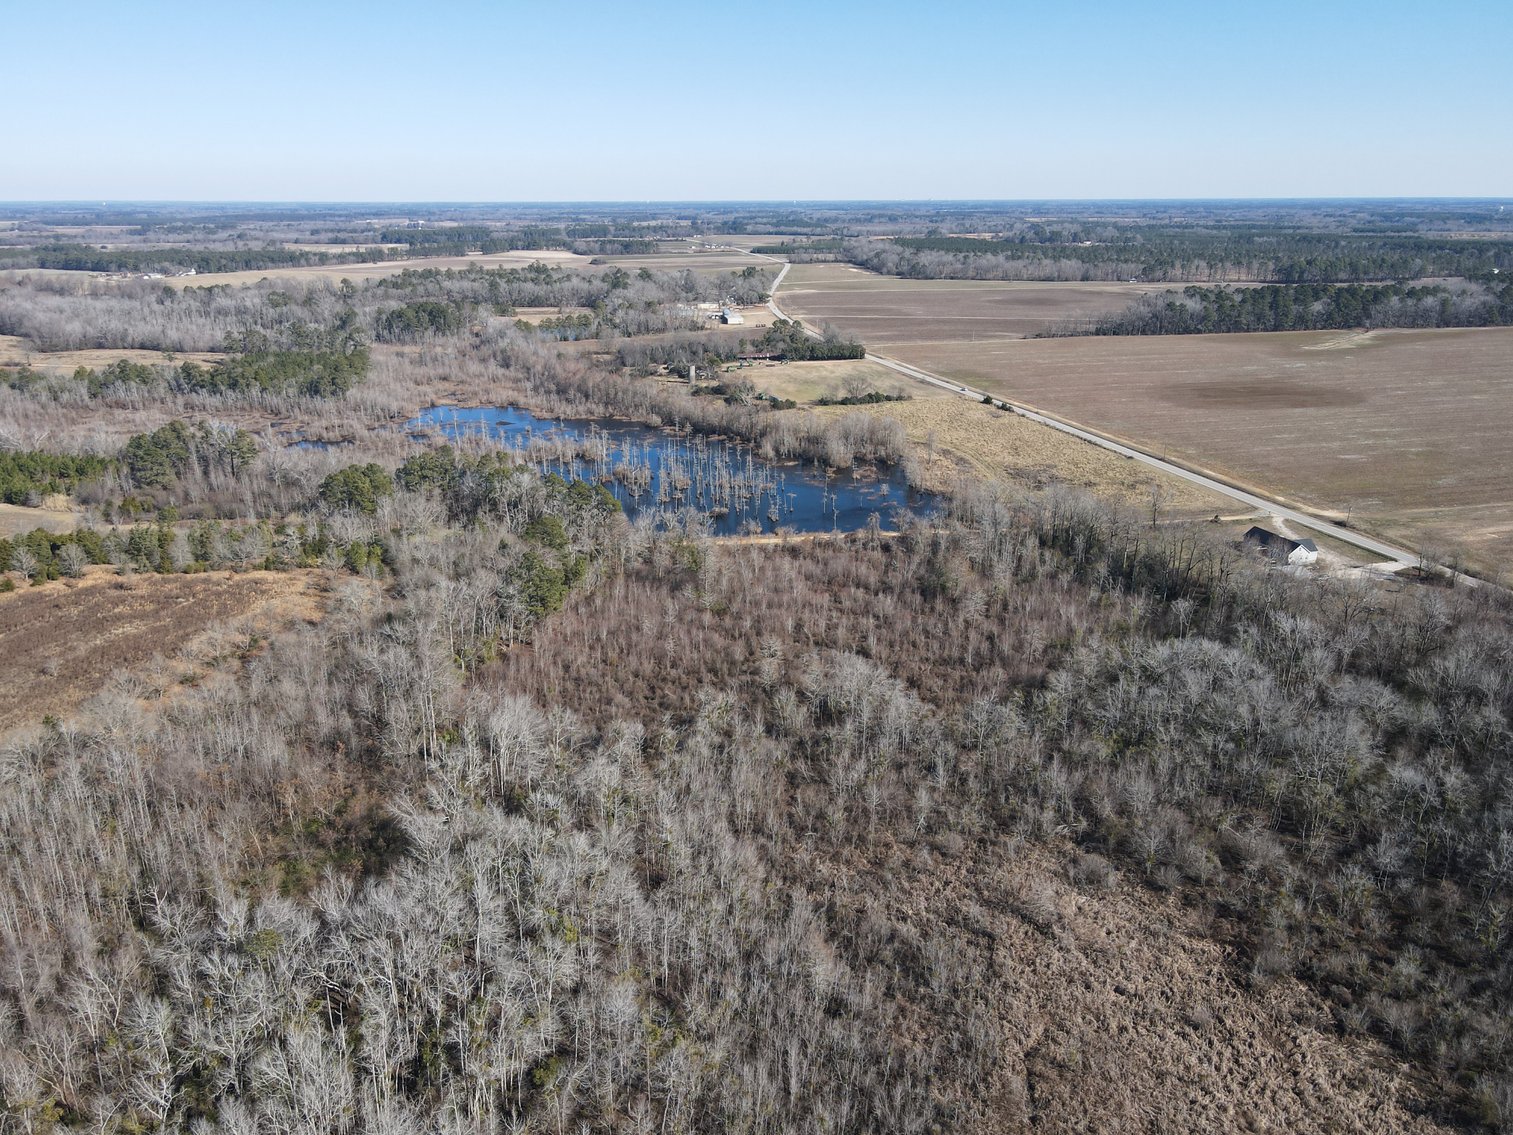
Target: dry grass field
point(373, 271)
point(54, 516)
point(675, 255)
point(952, 434)
point(807, 382)
point(885, 310)
point(62, 643)
point(15, 351)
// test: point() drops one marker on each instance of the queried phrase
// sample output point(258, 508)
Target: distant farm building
point(731, 315)
point(1279, 548)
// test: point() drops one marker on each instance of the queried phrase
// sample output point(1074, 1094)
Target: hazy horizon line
point(789, 201)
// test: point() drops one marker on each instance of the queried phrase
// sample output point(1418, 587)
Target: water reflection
point(654, 470)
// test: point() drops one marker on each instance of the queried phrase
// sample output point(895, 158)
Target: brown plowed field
point(1410, 433)
point(884, 310)
point(61, 643)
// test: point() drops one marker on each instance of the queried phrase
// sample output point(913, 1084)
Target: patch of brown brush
point(63, 642)
point(1113, 1012)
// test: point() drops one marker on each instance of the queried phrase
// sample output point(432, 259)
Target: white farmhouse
point(1279, 548)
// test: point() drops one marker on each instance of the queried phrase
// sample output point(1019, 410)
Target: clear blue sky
point(596, 101)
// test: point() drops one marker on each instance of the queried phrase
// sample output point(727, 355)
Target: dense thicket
point(27, 476)
point(86, 258)
point(417, 320)
point(788, 339)
point(785, 340)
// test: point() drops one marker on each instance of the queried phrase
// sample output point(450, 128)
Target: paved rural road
point(1264, 504)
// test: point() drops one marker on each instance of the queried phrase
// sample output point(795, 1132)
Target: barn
point(1279, 548)
point(731, 315)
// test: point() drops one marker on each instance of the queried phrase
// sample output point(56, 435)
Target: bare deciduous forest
point(556, 820)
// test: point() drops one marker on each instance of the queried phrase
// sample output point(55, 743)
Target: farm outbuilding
point(731, 315)
point(1279, 548)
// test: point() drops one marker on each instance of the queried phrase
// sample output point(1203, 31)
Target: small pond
point(651, 470)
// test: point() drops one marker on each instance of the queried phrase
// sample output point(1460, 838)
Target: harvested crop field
point(1410, 432)
point(951, 434)
point(674, 256)
point(62, 643)
point(885, 311)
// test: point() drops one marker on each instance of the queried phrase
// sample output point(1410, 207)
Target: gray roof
point(1275, 541)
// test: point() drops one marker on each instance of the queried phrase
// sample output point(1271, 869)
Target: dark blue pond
point(657, 471)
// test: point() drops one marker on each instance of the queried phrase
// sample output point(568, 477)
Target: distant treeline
point(457, 241)
point(1303, 307)
point(1166, 255)
point(87, 258)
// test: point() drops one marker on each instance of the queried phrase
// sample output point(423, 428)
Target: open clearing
point(17, 520)
point(373, 271)
point(952, 434)
point(806, 382)
point(886, 310)
point(15, 352)
point(677, 255)
point(61, 643)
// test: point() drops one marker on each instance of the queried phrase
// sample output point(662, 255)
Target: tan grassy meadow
point(952, 435)
point(376, 270)
point(16, 352)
